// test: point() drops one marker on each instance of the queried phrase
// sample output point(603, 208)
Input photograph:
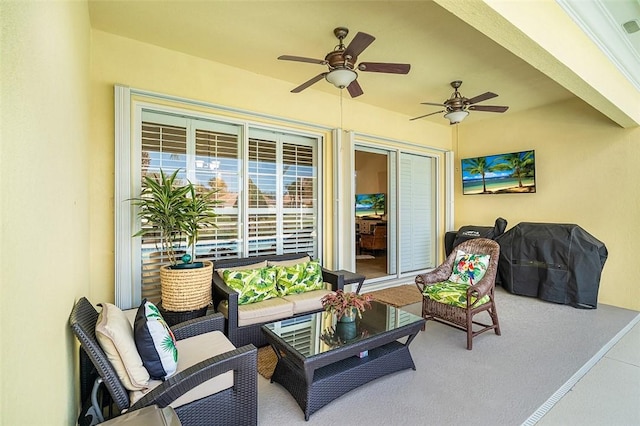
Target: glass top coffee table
point(320, 359)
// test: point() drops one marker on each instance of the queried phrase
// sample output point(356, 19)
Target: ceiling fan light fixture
point(341, 77)
point(456, 117)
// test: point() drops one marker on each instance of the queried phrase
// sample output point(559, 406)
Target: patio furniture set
point(318, 358)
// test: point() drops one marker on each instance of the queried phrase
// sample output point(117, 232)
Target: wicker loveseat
point(244, 322)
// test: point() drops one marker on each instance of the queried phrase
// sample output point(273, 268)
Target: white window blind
point(275, 211)
point(299, 199)
point(206, 154)
point(282, 191)
point(416, 212)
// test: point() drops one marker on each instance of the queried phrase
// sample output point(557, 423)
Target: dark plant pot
point(172, 318)
point(193, 265)
point(346, 330)
point(349, 316)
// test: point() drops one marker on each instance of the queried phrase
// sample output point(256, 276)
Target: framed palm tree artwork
point(513, 173)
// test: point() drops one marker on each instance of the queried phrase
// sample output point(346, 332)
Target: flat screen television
point(513, 173)
point(370, 204)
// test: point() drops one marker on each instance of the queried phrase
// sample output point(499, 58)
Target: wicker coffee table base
point(336, 379)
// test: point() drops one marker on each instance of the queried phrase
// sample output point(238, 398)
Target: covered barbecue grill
point(559, 263)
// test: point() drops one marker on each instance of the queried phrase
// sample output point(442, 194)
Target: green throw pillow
point(299, 278)
point(450, 293)
point(252, 285)
point(469, 268)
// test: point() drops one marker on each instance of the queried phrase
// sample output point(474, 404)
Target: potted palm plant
point(177, 213)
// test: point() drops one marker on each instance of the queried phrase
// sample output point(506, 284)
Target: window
point(282, 173)
point(206, 154)
point(275, 211)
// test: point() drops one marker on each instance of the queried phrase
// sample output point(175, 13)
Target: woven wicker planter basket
point(186, 289)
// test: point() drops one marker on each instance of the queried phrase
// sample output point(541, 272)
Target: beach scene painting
point(499, 174)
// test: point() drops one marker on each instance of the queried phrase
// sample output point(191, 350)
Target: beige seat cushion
point(265, 311)
point(306, 302)
point(193, 350)
point(292, 262)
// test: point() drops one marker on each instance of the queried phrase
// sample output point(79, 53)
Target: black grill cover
point(560, 263)
point(469, 232)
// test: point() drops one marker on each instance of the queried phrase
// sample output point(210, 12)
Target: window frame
point(129, 104)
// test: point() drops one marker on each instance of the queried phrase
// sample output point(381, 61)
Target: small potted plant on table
point(178, 212)
point(346, 305)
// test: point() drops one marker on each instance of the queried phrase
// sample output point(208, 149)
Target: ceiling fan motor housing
point(336, 59)
point(457, 107)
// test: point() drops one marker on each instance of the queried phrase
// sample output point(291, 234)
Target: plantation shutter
point(299, 199)
point(262, 197)
point(282, 194)
point(164, 146)
point(207, 154)
point(416, 215)
point(267, 190)
point(217, 167)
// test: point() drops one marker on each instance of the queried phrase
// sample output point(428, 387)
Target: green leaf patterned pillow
point(469, 268)
point(252, 285)
point(299, 278)
point(454, 294)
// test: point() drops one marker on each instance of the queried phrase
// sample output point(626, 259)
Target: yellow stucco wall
point(586, 173)
point(44, 223)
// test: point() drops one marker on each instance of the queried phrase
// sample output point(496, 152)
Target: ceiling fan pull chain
point(341, 110)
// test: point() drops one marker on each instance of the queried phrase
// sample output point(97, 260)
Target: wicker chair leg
point(469, 330)
point(494, 318)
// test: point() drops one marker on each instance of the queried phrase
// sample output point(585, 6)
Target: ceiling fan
point(457, 107)
point(342, 63)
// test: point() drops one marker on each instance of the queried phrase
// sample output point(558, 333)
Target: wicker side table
point(172, 317)
point(352, 278)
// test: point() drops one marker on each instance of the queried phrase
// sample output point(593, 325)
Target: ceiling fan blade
point(302, 59)
point(431, 103)
point(360, 42)
point(308, 83)
point(481, 98)
point(488, 108)
point(426, 115)
point(384, 67)
point(354, 89)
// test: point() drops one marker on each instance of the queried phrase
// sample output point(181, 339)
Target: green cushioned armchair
point(456, 304)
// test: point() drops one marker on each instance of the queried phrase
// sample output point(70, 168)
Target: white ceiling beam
point(544, 35)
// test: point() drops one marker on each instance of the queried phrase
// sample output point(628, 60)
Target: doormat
point(267, 361)
point(398, 296)
point(364, 256)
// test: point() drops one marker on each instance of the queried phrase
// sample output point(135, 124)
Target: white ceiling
point(603, 21)
point(439, 46)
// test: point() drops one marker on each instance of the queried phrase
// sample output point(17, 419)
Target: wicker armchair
point(463, 317)
point(236, 405)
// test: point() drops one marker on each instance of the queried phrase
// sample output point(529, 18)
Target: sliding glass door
point(394, 211)
point(374, 205)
